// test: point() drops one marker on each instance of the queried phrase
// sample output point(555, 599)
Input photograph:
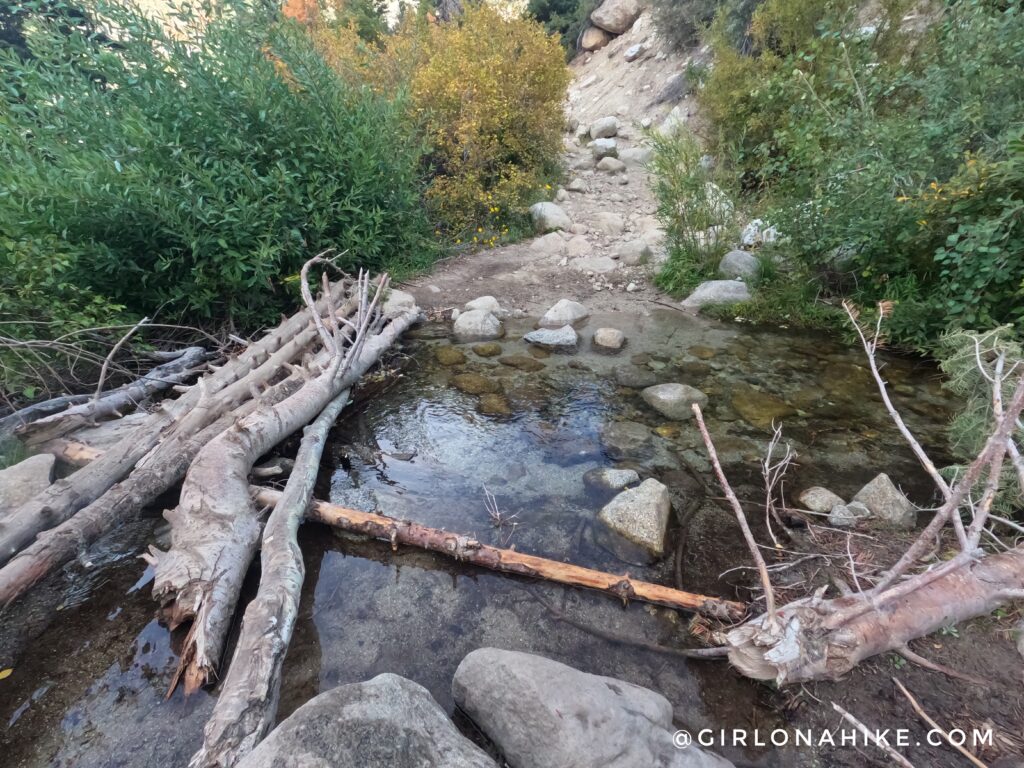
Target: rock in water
point(562, 339)
point(639, 519)
point(477, 325)
point(760, 409)
point(595, 38)
point(610, 480)
point(22, 481)
point(674, 400)
point(635, 377)
point(564, 312)
point(820, 500)
point(386, 721)
point(523, 363)
point(717, 292)
point(739, 264)
point(604, 128)
point(887, 503)
point(609, 339)
point(487, 349)
point(548, 216)
point(449, 356)
point(475, 384)
point(616, 16)
point(602, 148)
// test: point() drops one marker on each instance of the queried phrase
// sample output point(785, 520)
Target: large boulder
point(606, 480)
point(564, 339)
point(717, 292)
point(739, 263)
point(604, 128)
point(543, 714)
point(594, 38)
point(564, 312)
point(22, 481)
point(602, 148)
point(477, 325)
point(616, 16)
point(674, 400)
point(549, 216)
point(386, 721)
point(637, 521)
point(887, 503)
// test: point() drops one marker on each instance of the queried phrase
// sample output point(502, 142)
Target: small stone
point(632, 288)
point(561, 195)
point(577, 246)
point(488, 349)
point(449, 356)
point(633, 52)
point(609, 223)
point(674, 400)
point(551, 243)
point(604, 128)
point(887, 503)
point(821, 500)
point(640, 517)
point(564, 312)
point(564, 339)
point(475, 384)
point(486, 303)
point(760, 409)
point(611, 165)
point(492, 404)
point(609, 339)
point(607, 480)
point(602, 148)
point(595, 264)
point(576, 185)
point(477, 325)
point(549, 216)
point(633, 253)
point(523, 363)
point(847, 515)
point(739, 264)
point(635, 377)
point(702, 352)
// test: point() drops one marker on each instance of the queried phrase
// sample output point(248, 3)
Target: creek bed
point(91, 665)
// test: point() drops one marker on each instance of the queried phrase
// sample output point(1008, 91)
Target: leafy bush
point(565, 18)
point(197, 171)
point(680, 22)
point(889, 156)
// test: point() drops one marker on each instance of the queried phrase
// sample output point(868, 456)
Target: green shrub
point(195, 172)
point(680, 22)
point(565, 18)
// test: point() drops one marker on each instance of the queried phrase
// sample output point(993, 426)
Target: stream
point(91, 665)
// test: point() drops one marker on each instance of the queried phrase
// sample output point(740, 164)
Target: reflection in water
point(88, 691)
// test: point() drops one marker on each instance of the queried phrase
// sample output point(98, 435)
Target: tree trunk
point(215, 528)
point(247, 700)
point(817, 639)
point(115, 403)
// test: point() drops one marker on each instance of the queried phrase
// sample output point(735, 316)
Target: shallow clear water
point(87, 687)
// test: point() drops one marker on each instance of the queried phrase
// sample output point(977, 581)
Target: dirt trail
point(615, 209)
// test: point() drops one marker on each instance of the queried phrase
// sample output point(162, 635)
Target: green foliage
point(898, 147)
point(694, 209)
point(196, 172)
point(565, 18)
point(680, 22)
point(368, 17)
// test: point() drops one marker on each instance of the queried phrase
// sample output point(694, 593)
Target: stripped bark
point(247, 701)
point(467, 549)
point(202, 404)
point(115, 403)
point(215, 527)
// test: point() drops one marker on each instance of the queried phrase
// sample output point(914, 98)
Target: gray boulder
point(887, 503)
point(674, 400)
point(611, 165)
point(616, 16)
point(847, 515)
point(818, 499)
point(638, 520)
point(564, 312)
point(577, 185)
point(717, 292)
point(477, 325)
point(564, 339)
point(609, 223)
point(626, 439)
point(604, 128)
point(636, 157)
point(22, 481)
point(543, 714)
point(387, 721)
point(739, 264)
point(633, 252)
point(635, 377)
point(549, 216)
point(598, 264)
point(486, 303)
point(398, 302)
point(602, 148)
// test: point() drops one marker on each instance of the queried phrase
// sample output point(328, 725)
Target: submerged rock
point(522, 363)
point(674, 400)
point(562, 339)
point(475, 384)
point(760, 409)
point(487, 349)
point(818, 499)
point(610, 480)
point(477, 325)
point(638, 518)
point(543, 714)
point(564, 312)
point(386, 721)
point(626, 439)
point(22, 481)
point(635, 377)
point(609, 339)
point(494, 405)
point(449, 356)
point(887, 503)
point(717, 292)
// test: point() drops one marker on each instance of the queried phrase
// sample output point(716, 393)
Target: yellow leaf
point(5, 673)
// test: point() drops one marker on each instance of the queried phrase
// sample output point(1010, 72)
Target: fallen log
point(202, 404)
point(114, 403)
point(247, 701)
point(467, 549)
point(215, 527)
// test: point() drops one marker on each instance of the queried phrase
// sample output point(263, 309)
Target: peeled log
point(816, 641)
point(215, 528)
